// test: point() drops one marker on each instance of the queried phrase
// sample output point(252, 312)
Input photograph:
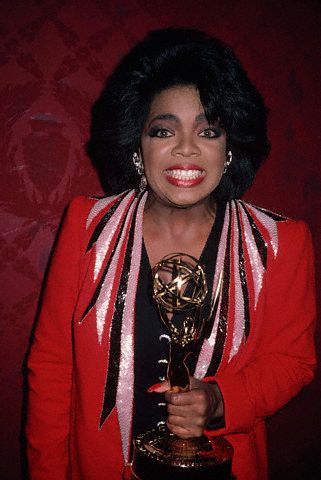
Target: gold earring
point(228, 161)
point(138, 163)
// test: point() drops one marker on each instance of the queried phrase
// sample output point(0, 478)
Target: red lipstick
point(184, 175)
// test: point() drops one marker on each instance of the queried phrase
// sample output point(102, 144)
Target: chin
point(181, 198)
point(188, 201)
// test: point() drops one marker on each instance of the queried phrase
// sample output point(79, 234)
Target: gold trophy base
point(158, 454)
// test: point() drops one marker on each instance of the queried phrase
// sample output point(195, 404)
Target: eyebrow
point(164, 116)
point(170, 116)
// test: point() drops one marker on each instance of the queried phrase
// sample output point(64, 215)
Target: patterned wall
point(55, 55)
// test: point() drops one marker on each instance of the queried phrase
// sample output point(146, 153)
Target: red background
point(55, 56)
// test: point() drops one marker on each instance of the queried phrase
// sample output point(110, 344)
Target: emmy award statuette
point(179, 289)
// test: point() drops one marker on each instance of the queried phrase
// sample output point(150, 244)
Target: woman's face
point(183, 155)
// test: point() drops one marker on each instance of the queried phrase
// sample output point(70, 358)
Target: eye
point(210, 133)
point(160, 132)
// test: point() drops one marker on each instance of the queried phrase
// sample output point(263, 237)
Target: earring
point(228, 161)
point(138, 163)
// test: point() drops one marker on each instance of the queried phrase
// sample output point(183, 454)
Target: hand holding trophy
point(180, 289)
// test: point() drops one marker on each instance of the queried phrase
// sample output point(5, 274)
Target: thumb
point(195, 383)
point(159, 387)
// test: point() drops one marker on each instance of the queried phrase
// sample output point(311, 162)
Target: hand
point(190, 412)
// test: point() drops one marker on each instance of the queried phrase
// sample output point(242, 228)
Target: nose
point(186, 146)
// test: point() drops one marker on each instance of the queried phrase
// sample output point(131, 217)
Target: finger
point(187, 412)
point(159, 387)
point(187, 421)
point(195, 383)
point(179, 431)
point(182, 398)
point(183, 430)
point(196, 399)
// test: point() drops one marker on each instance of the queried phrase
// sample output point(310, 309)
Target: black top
point(152, 338)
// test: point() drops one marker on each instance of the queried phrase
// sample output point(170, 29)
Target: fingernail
point(153, 387)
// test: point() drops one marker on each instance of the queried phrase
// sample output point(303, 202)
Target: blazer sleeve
point(50, 359)
point(283, 360)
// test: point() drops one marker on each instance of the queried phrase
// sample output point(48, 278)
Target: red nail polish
point(153, 387)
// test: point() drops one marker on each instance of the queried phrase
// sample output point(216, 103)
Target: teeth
point(184, 174)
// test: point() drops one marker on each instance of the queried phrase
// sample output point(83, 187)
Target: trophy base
point(158, 454)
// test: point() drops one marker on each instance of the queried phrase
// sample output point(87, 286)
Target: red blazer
point(68, 364)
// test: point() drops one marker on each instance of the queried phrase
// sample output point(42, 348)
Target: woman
point(181, 132)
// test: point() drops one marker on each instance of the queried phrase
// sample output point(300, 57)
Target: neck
point(171, 216)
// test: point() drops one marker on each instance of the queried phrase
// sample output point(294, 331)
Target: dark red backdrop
point(55, 56)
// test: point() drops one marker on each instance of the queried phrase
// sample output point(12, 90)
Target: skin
point(190, 412)
point(179, 216)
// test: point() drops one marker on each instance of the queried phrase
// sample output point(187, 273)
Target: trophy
point(180, 289)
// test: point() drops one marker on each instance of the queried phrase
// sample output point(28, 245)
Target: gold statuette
point(180, 290)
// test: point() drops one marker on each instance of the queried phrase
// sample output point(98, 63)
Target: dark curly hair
point(166, 58)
